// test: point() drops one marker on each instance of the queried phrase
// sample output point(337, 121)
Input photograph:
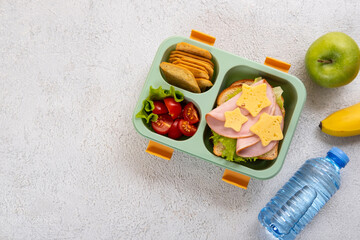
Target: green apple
point(333, 60)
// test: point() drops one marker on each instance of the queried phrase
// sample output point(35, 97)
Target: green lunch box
point(228, 68)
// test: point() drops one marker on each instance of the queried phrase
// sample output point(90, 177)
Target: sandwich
point(243, 139)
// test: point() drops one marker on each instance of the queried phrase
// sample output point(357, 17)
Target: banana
point(343, 123)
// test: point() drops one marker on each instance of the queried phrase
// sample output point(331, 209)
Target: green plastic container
point(228, 68)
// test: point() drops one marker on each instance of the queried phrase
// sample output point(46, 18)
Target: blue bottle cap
point(340, 158)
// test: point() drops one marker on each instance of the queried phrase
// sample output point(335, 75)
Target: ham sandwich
point(248, 145)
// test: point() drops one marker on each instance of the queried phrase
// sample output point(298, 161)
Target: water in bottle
point(301, 198)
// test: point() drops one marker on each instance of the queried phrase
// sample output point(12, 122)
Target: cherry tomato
point(159, 107)
point(190, 114)
point(162, 124)
point(173, 107)
point(174, 131)
point(186, 128)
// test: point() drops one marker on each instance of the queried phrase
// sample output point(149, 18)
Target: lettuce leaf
point(233, 94)
point(229, 152)
point(157, 94)
point(160, 94)
point(258, 79)
point(278, 92)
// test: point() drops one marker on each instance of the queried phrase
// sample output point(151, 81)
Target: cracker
point(203, 83)
point(196, 72)
point(189, 48)
point(180, 77)
point(173, 59)
point(181, 61)
point(181, 53)
point(206, 65)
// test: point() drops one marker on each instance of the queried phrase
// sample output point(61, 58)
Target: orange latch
point(236, 179)
point(159, 150)
point(277, 64)
point(202, 37)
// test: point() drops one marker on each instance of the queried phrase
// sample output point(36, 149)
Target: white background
point(72, 165)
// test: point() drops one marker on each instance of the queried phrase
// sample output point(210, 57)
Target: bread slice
point(241, 82)
point(236, 86)
point(218, 149)
point(223, 97)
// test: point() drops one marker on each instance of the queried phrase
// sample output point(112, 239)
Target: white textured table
point(73, 166)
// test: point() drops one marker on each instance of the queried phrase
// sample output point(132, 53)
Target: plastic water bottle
point(301, 198)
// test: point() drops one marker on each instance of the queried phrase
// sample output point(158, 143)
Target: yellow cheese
point(234, 119)
point(268, 128)
point(254, 98)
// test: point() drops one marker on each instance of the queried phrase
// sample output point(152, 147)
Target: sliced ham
point(246, 142)
point(216, 118)
point(219, 112)
point(257, 149)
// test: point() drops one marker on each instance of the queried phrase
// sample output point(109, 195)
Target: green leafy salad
point(157, 94)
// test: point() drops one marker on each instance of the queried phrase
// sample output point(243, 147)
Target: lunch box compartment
point(246, 72)
point(241, 72)
point(165, 58)
point(183, 103)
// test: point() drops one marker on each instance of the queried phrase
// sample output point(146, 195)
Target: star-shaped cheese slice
point(253, 98)
point(234, 119)
point(268, 128)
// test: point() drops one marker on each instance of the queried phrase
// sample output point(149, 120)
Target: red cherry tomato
point(190, 114)
point(186, 128)
point(173, 107)
point(159, 107)
point(174, 131)
point(162, 124)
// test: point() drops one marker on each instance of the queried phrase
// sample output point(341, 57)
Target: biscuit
point(189, 48)
point(203, 83)
point(180, 77)
point(196, 72)
point(206, 65)
point(173, 59)
point(181, 61)
point(181, 53)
